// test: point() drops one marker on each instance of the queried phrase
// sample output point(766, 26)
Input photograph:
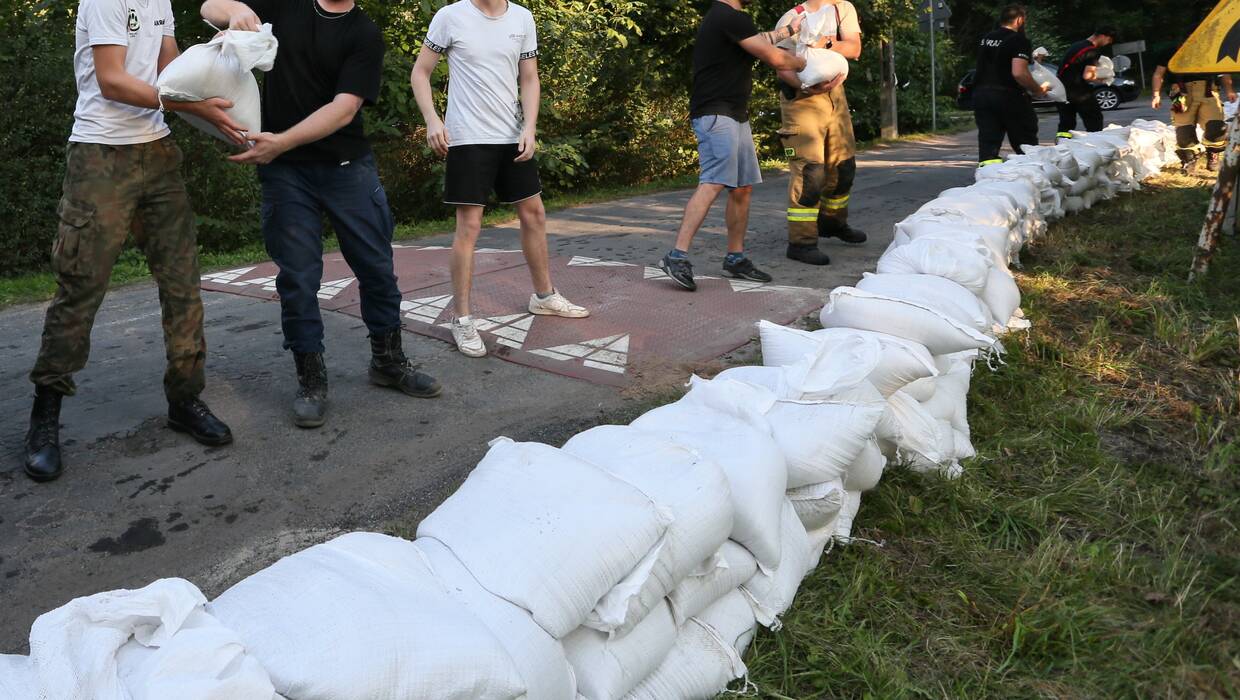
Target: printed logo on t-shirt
point(134, 26)
point(519, 38)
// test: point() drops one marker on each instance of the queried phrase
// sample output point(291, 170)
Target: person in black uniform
point(1001, 103)
point(1078, 69)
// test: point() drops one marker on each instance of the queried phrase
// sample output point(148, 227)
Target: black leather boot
point(389, 367)
point(310, 406)
point(841, 230)
point(808, 254)
point(43, 439)
point(196, 420)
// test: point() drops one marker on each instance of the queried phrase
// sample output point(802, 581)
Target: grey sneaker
point(680, 270)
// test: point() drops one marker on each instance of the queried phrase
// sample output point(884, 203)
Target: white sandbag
point(724, 572)
point(707, 654)
point(714, 405)
point(966, 265)
point(867, 469)
point(1056, 92)
point(848, 307)
point(363, 616)
point(17, 679)
point(922, 389)
point(693, 489)
point(757, 478)
point(938, 293)
point(547, 531)
point(538, 656)
point(985, 211)
point(771, 593)
point(222, 68)
point(137, 644)
point(848, 516)
point(948, 466)
point(607, 668)
point(820, 440)
point(817, 505)
point(1105, 71)
point(997, 238)
point(917, 437)
point(1002, 298)
point(818, 366)
point(821, 66)
point(900, 360)
point(964, 446)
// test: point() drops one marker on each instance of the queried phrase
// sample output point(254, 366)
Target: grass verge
point(1093, 550)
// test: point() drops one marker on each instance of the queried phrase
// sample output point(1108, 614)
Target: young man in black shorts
point(489, 141)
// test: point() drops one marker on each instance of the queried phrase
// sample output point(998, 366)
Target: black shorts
point(476, 170)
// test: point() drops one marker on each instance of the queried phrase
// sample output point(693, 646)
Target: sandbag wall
point(637, 561)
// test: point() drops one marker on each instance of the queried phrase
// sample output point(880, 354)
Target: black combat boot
point(1212, 161)
point(43, 439)
point(808, 254)
point(1188, 160)
point(310, 406)
point(389, 367)
point(192, 417)
point(830, 228)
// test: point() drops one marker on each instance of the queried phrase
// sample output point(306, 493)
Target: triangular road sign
point(1215, 45)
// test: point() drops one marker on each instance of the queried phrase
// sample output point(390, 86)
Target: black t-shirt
point(321, 55)
point(995, 53)
point(722, 70)
point(1072, 71)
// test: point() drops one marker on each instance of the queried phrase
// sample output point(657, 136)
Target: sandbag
point(707, 654)
point(724, 572)
point(818, 366)
point(771, 593)
point(916, 433)
point(1002, 298)
point(941, 334)
point(17, 680)
point(222, 68)
point(547, 531)
point(539, 657)
point(144, 644)
point(981, 210)
point(847, 519)
point(900, 360)
point(364, 617)
point(607, 668)
point(1056, 92)
point(997, 238)
point(694, 490)
point(820, 440)
point(867, 469)
point(713, 405)
point(938, 293)
point(817, 505)
point(965, 264)
point(821, 66)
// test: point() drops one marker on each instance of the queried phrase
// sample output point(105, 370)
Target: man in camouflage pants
point(122, 176)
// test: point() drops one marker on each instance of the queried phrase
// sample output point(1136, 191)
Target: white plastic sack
point(363, 616)
point(867, 468)
point(707, 654)
point(997, 238)
point(821, 66)
point(821, 440)
point(771, 593)
point(817, 505)
point(941, 294)
point(222, 68)
point(138, 644)
point(539, 657)
point(730, 567)
point(981, 210)
point(941, 334)
point(900, 360)
point(1002, 298)
point(1105, 72)
point(546, 530)
point(608, 668)
point(965, 264)
point(17, 678)
point(818, 366)
point(1056, 92)
point(917, 436)
point(715, 405)
point(693, 489)
point(848, 515)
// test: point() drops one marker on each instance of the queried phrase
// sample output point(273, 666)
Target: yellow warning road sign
point(1215, 46)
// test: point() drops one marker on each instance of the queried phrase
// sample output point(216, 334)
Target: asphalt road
point(139, 502)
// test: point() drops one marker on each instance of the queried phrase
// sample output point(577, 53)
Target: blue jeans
point(295, 198)
point(726, 152)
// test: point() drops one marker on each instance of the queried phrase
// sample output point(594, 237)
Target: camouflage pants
point(109, 192)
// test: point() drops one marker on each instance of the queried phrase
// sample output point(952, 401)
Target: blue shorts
point(726, 152)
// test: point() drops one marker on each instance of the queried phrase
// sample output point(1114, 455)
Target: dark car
point(1109, 96)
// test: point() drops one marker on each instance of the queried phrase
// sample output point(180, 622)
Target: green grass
point(1092, 550)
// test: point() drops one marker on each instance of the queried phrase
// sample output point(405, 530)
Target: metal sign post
point(931, 14)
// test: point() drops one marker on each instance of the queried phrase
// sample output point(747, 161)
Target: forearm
point(424, 96)
point(126, 89)
point(531, 96)
point(1025, 78)
point(218, 12)
point(324, 122)
point(778, 34)
point(789, 77)
point(849, 48)
point(1157, 83)
point(1227, 84)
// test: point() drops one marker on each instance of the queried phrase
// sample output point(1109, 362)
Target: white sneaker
point(467, 339)
point(556, 305)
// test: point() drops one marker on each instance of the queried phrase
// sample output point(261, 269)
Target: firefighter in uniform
point(1001, 103)
point(1078, 70)
point(1195, 103)
point(817, 135)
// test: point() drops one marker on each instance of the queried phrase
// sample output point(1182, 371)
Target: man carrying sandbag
point(1195, 103)
point(723, 54)
point(1078, 71)
point(1001, 95)
point(315, 159)
point(123, 174)
point(817, 134)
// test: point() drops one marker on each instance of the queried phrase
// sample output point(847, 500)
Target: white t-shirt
point(483, 57)
point(139, 25)
point(829, 21)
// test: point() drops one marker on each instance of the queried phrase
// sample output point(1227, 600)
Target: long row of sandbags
point(638, 560)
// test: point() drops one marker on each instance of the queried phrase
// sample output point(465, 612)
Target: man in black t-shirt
point(1195, 102)
point(1001, 103)
point(1078, 71)
point(313, 159)
point(723, 55)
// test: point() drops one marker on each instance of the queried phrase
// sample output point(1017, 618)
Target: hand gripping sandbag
point(222, 68)
point(547, 531)
point(966, 265)
point(608, 667)
point(821, 66)
point(848, 307)
point(539, 657)
point(692, 488)
point(724, 572)
point(1056, 92)
point(363, 617)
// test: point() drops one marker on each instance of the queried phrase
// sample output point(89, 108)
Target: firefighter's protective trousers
point(1202, 108)
point(817, 135)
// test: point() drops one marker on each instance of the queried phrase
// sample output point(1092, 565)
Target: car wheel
point(1108, 98)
